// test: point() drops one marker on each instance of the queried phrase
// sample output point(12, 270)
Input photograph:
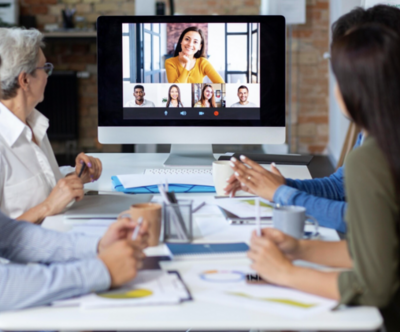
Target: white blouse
point(28, 172)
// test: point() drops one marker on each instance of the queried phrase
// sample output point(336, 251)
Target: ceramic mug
point(291, 219)
point(221, 171)
point(151, 212)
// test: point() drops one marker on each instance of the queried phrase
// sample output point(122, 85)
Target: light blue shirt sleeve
point(23, 242)
point(324, 199)
point(77, 272)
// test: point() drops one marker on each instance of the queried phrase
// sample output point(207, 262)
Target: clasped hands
point(253, 178)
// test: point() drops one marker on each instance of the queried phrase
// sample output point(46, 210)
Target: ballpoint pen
point(137, 229)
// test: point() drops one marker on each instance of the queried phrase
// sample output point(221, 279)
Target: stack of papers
point(150, 287)
point(226, 285)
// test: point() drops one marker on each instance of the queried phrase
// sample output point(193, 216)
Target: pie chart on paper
point(222, 276)
point(127, 295)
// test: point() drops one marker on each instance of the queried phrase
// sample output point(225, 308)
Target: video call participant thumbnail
point(243, 94)
point(174, 97)
point(189, 64)
point(139, 101)
point(207, 97)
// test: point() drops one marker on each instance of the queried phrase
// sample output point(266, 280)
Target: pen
point(258, 216)
point(82, 169)
point(199, 207)
point(137, 228)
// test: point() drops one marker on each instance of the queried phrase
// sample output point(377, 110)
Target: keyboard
point(178, 171)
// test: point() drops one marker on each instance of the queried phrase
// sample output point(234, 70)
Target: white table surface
point(196, 315)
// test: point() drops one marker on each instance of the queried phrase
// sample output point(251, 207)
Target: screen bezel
point(272, 93)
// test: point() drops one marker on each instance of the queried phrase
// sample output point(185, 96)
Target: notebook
point(207, 250)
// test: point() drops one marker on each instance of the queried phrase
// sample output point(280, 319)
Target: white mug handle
point(316, 225)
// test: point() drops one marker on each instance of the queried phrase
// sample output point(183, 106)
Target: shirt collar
point(11, 128)
point(144, 103)
point(39, 124)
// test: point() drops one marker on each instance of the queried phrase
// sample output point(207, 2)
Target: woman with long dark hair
point(174, 96)
point(366, 64)
point(207, 97)
point(189, 64)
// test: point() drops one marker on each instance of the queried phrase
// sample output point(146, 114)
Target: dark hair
point(138, 87)
point(243, 87)
point(389, 16)
point(169, 95)
point(211, 100)
point(366, 64)
point(200, 53)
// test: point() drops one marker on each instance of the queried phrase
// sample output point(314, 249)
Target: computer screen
point(191, 79)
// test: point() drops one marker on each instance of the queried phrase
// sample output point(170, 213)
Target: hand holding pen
point(88, 168)
point(132, 231)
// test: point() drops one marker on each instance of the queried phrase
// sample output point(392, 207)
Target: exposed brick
point(46, 19)
point(40, 2)
point(39, 9)
point(83, 8)
point(309, 70)
point(105, 7)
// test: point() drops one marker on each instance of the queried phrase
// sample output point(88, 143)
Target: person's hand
point(123, 229)
point(233, 186)
point(184, 60)
point(93, 168)
point(66, 190)
point(290, 246)
point(254, 178)
point(122, 261)
point(269, 261)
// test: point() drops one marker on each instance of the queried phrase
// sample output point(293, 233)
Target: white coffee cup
point(221, 171)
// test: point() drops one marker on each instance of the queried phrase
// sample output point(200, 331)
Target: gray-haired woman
point(31, 184)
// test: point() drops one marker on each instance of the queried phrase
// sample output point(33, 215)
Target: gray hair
point(19, 51)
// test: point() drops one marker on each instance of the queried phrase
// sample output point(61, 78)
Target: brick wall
point(309, 69)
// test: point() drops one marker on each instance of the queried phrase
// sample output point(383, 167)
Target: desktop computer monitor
point(191, 81)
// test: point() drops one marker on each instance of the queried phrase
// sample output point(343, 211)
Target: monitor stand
point(190, 155)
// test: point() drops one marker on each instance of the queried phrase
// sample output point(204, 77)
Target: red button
point(216, 113)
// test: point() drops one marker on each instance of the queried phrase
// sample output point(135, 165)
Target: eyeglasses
point(48, 68)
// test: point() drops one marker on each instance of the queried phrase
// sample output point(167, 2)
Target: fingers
point(78, 194)
point(83, 158)
point(257, 167)
point(94, 166)
point(275, 170)
point(231, 179)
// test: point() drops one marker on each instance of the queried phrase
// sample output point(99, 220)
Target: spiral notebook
point(207, 250)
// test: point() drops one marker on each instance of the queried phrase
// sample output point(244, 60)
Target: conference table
point(198, 314)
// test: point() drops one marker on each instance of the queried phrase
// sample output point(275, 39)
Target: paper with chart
point(226, 285)
point(142, 180)
point(245, 207)
point(150, 287)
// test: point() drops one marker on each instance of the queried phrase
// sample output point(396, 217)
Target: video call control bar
point(191, 113)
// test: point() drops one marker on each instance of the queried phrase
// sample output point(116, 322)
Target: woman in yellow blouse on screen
point(189, 64)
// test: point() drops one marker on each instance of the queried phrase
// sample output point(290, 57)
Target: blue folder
point(177, 188)
point(178, 249)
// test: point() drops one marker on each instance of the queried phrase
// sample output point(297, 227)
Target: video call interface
point(191, 71)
